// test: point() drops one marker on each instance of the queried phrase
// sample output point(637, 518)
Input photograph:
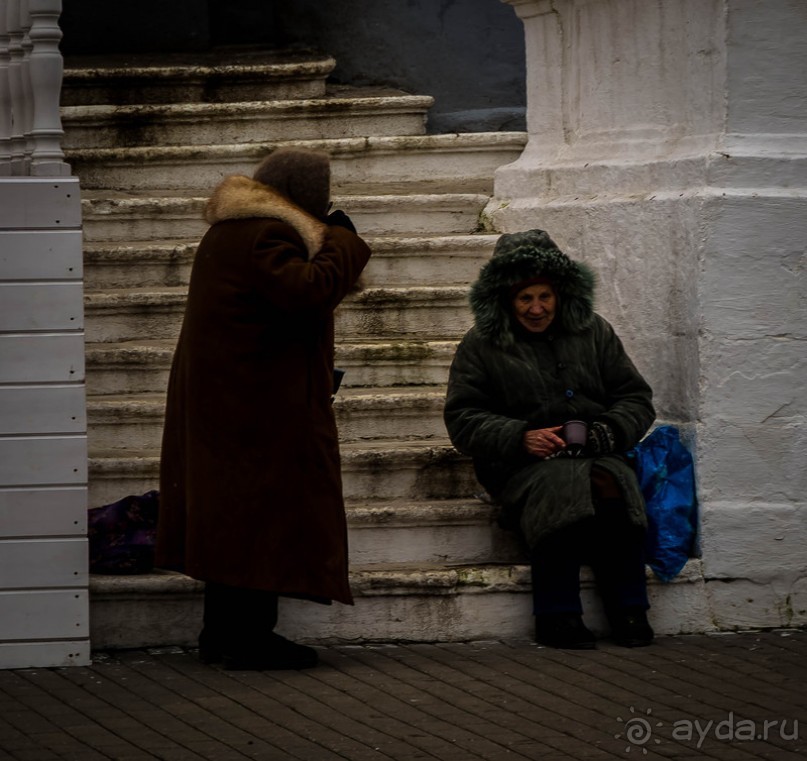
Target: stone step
point(135, 422)
point(400, 470)
point(117, 264)
point(380, 162)
point(404, 362)
point(171, 218)
point(437, 260)
point(429, 532)
point(134, 367)
point(394, 603)
point(341, 113)
point(220, 76)
point(398, 261)
point(139, 367)
point(420, 313)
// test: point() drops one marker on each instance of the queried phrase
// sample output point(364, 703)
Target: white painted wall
point(668, 148)
point(43, 440)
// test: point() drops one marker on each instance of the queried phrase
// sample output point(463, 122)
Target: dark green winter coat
point(505, 380)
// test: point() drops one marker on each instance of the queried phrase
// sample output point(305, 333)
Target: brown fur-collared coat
point(250, 481)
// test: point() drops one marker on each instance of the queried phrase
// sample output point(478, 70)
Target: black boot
point(237, 631)
point(220, 609)
point(563, 630)
point(271, 653)
point(630, 628)
point(210, 646)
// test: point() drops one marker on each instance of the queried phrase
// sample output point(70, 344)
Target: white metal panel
point(44, 602)
point(44, 614)
point(41, 358)
point(57, 511)
point(27, 563)
point(23, 655)
point(41, 306)
point(41, 255)
point(42, 409)
point(45, 460)
point(32, 202)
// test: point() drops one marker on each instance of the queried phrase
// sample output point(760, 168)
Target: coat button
point(569, 393)
point(561, 365)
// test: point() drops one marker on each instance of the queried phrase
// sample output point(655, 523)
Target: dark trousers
point(236, 618)
point(609, 543)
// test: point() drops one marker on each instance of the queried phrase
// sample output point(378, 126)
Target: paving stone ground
point(731, 697)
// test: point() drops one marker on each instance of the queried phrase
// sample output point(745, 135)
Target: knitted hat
point(521, 285)
point(300, 174)
point(520, 258)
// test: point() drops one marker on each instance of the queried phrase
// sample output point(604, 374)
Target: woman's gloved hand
point(601, 438)
point(338, 218)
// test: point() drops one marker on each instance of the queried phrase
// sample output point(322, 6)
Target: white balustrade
point(5, 93)
point(31, 69)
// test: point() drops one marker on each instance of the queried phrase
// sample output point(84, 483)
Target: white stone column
point(15, 51)
point(668, 148)
point(753, 403)
point(27, 106)
point(5, 94)
point(45, 70)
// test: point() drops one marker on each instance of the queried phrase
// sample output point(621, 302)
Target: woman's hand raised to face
point(544, 442)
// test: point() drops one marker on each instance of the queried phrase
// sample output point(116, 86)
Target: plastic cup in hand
point(575, 434)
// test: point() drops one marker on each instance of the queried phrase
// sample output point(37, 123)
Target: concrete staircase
point(149, 140)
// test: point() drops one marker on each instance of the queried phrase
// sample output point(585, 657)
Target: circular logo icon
point(638, 731)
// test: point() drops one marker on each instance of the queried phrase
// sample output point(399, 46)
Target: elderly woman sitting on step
point(537, 357)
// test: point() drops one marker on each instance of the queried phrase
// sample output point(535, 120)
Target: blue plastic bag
point(666, 476)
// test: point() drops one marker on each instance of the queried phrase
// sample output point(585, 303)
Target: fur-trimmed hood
point(239, 197)
point(519, 258)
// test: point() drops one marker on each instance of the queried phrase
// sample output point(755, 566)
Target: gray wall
point(467, 54)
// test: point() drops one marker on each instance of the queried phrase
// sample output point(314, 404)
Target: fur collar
point(513, 263)
point(239, 197)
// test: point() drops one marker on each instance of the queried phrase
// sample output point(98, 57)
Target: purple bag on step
point(122, 535)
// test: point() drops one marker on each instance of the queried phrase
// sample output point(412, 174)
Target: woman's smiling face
point(534, 306)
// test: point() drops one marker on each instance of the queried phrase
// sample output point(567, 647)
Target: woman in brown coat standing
point(250, 481)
